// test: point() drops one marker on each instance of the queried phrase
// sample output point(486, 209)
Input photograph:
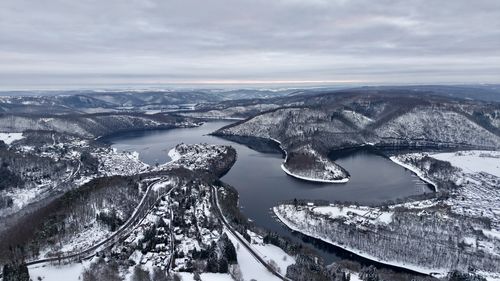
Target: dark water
point(262, 184)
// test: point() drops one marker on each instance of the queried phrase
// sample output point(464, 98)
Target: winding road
point(241, 239)
point(140, 211)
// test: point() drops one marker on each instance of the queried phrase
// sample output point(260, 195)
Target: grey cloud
point(416, 41)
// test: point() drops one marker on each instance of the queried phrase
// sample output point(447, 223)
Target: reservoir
point(262, 184)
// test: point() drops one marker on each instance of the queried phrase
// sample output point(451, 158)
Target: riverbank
point(380, 234)
point(421, 270)
point(258, 156)
point(318, 180)
point(415, 170)
point(316, 165)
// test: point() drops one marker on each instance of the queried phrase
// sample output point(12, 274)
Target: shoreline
point(290, 173)
point(415, 171)
point(426, 271)
point(174, 155)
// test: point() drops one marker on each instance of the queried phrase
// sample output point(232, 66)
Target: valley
point(316, 185)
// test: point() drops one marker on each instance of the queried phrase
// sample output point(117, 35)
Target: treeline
point(308, 265)
point(212, 159)
point(421, 239)
point(350, 121)
point(79, 209)
point(29, 169)
point(89, 126)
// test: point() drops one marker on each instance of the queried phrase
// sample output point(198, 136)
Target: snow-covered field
point(477, 179)
point(271, 253)
point(474, 161)
point(9, 138)
point(360, 214)
point(73, 272)
point(174, 154)
point(479, 183)
point(476, 196)
point(54, 272)
point(206, 276)
point(249, 266)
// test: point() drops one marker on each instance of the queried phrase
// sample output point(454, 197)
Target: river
point(262, 184)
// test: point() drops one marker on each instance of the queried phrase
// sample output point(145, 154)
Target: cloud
point(419, 41)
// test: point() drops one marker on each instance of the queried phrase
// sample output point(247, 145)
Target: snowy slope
point(437, 125)
point(9, 138)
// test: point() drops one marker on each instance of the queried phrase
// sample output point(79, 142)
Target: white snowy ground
point(474, 161)
point(174, 155)
point(48, 272)
point(354, 276)
point(249, 266)
point(125, 163)
point(73, 272)
point(397, 160)
point(270, 253)
point(293, 216)
point(359, 214)
point(344, 180)
point(206, 276)
point(330, 174)
point(9, 138)
point(477, 177)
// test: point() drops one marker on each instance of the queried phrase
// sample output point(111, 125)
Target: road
point(137, 216)
point(241, 239)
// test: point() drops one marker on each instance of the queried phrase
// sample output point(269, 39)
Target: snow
point(474, 161)
point(359, 119)
point(206, 276)
point(162, 185)
point(187, 276)
point(69, 272)
point(329, 169)
point(354, 276)
point(174, 154)
point(489, 276)
point(434, 271)
point(249, 266)
point(196, 156)
point(344, 180)
point(454, 127)
point(385, 217)
point(360, 213)
point(415, 170)
point(113, 162)
point(492, 233)
point(339, 212)
point(84, 239)
point(423, 204)
point(271, 252)
point(477, 193)
point(152, 111)
point(9, 138)
point(24, 196)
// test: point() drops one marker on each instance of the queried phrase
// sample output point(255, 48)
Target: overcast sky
point(103, 42)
